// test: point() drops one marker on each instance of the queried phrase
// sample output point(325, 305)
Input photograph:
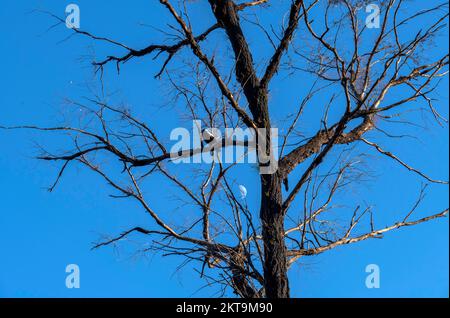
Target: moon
point(243, 191)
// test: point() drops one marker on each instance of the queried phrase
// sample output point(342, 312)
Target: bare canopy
point(359, 78)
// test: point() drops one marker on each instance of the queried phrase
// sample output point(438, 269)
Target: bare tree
point(363, 76)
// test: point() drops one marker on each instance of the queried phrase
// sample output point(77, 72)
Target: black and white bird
point(207, 137)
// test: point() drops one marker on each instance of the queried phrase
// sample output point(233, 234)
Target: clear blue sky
point(42, 232)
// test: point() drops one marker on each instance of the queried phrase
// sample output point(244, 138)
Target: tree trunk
point(275, 265)
point(276, 282)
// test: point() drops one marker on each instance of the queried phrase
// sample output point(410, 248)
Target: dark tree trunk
point(275, 266)
point(276, 282)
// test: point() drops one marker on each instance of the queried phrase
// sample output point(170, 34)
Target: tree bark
point(275, 265)
point(276, 282)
